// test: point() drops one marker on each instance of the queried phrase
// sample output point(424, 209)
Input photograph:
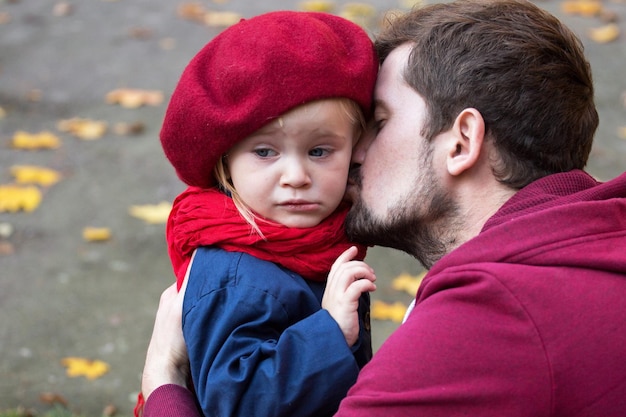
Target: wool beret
point(253, 72)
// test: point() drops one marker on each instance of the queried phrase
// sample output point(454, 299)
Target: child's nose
point(294, 174)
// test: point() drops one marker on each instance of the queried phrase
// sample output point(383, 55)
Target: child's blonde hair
point(349, 107)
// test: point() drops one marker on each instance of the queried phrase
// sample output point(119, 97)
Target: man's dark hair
point(515, 63)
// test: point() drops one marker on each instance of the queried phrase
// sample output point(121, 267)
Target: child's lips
point(300, 205)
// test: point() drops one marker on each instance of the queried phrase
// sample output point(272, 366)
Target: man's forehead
point(391, 75)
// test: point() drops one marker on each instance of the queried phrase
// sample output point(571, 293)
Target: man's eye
point(379, 124)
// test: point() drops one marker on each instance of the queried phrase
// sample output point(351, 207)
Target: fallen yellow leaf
point(14, 198)
point(91, 369)
point(33, 141)
point(582, 7)
point(621, 132)
point(96, 234)
point(3, 113)
point(221, 19)
point(152, 213)
point(358, 13)
point(407, 283)
point(317, 6)
point(83, 128)
point(132, 98)
point(604, 34)
point(384, 311)
point(126, 129)
point(29, 174)
point(359, 9)
point(191, 11)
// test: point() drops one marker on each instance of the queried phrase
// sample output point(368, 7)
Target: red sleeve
point(171, 401)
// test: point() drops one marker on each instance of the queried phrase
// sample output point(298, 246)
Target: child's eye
point(264, 152)
point(317, 152)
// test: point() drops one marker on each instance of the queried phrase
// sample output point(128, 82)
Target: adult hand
point(166, 359)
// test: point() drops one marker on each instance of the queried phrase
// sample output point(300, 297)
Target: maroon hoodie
point(526, 319)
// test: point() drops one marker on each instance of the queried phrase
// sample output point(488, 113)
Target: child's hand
point(346, 281)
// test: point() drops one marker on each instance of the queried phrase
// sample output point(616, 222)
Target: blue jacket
point(259, 342)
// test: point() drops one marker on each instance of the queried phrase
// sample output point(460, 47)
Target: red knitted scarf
point(204, 217)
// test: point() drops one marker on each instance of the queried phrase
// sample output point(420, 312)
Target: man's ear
point(466, 141)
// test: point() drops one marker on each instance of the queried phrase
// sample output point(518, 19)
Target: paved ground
point(61, 296)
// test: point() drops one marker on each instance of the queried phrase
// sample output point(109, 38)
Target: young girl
point(261, 126)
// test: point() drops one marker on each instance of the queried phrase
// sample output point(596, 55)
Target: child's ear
point(468, 134)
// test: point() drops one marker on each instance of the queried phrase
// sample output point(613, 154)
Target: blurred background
point(83, 89)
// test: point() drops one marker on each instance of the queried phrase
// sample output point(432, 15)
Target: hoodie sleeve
point(171, 401)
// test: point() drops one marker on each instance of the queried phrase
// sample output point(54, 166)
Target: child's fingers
point(358, 287)
point(354, 270)
point(346, 256)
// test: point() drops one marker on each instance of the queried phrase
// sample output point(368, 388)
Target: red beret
point(253, 72)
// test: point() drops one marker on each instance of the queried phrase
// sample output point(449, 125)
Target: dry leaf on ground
point(359, 9)
point(152, 213)
point(141, 33)
point(62, 9)
point(132, 98)
point(109, 411)
point(221, 19)
point(52, 398)
point(96, 234)
point(29, 174)
point(6, 248)
point(127, 129)
point(4, 18)
point(385, 311)
point(191, 11)
point(34, 141)
point(407, 283)
point(317, 6)
point(86, 129)
point(90, 369)
point(6, 230)
point(582, 7)
point(14, 198)
point(604, 34)
point(358, 13)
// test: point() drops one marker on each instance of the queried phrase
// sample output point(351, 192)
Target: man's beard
point(424, 225)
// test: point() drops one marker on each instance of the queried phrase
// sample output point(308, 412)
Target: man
point(484, 120)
